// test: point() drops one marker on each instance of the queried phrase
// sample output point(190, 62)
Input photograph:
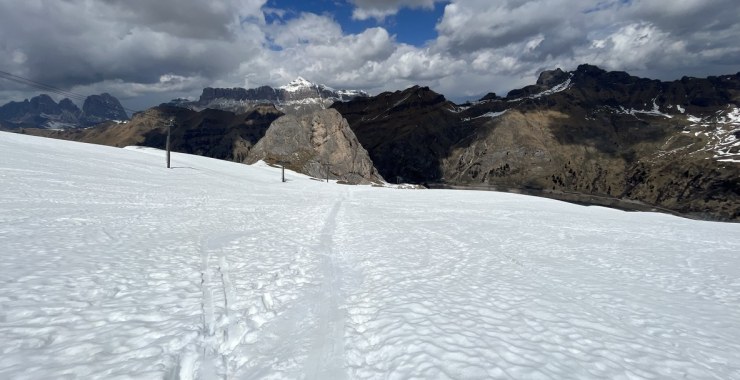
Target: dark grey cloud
point(128, 44)
point(194, 20)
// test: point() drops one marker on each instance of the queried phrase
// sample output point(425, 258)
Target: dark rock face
point(67, 105)
point(586, 133)
point(306, 143)
point(264, 93)
point(103, 107)
point(40, 111)
point(43, 112)
point(407, 133)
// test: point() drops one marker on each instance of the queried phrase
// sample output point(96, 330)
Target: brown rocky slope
point(582, 135)
point(211, 133)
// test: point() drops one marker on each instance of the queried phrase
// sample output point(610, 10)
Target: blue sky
point(414, 26)
point(146, 52)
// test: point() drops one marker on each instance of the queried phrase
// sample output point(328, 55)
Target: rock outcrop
point(308, 142)
point(100, 108)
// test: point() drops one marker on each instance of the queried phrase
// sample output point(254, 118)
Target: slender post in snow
point(282, 166)
point(169, 133)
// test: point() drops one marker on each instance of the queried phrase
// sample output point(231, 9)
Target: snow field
point(115, 267)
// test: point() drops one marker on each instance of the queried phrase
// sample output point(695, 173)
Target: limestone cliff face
point(305, 143)
point(299, 97)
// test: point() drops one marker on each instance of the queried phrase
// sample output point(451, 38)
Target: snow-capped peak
point(298, 84)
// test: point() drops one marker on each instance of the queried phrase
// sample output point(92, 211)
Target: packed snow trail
point(115, 267)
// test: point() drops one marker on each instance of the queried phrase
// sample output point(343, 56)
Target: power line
point(48, 88)
point(39, 85)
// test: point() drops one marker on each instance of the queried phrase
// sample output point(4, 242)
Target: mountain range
point(589, 136)
point(298, 96)
point(43, 112)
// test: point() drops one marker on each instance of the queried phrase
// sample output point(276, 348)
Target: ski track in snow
point(115, 267)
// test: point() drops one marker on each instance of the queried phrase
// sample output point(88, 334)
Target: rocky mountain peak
point(298, 84)
point(43, 112)
point(591, 70)
point(550, 78)
point(99, 108)
point(67, 105)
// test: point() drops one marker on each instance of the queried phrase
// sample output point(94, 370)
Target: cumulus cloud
point(512, 39)
point(315, 47)
point(380, 9)
point(78, 42)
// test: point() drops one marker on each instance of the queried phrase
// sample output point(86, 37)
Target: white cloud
point(634, 47)
point(380, 9)
point(155, 50)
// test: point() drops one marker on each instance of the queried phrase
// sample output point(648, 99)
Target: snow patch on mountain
point(565, 85)
point(655, 111)
point(297, 84)
point(720, 131)
point(559, 88)
point(491, 115)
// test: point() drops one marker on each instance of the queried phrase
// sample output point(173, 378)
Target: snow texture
point(115, 267)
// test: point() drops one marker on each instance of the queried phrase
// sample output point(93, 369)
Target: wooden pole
point(282, 167)
point(169, 132)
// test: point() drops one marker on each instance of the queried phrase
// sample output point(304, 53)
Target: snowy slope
point(115, 267)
